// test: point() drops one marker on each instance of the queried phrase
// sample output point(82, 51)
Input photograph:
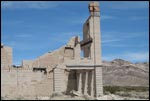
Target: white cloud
point(139, 46)
point(110, 40)
point(77, 20)
point(29, 4)
point(66, 36)
point(130, 18)
point(139, 56)
point(130, 56)
point(12, 23)
point(126, 5)
point(107, 17)
point(23, 35)
point(11, 43)
point(137, 18)
point(117, 39)
point(112, 36)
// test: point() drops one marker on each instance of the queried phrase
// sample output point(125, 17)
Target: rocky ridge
point(120, 72)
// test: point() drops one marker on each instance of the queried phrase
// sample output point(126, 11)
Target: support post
point(79, 82)
point(92, 83)
point(86, 83)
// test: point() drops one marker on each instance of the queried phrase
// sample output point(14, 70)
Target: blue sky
point(34, 28)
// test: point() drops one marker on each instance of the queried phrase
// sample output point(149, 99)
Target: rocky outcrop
point(124, 73)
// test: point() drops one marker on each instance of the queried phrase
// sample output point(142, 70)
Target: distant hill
point(119, 72)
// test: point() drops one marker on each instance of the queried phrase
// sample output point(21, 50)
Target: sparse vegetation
point(86, 97)
point(2, 98)
point(55, 95)
point(110, 92)
point(124, 94)
point(114, 89)
point(19, 98)
point(135, 92)
point(125, 99)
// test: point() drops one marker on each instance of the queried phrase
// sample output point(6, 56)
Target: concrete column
point(86, 83)
point(99, 84)
point(79, 82)
point(92, 83)
point(57, 80)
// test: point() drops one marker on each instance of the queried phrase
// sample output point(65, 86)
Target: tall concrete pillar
point(57, 80)
point(92, 84)
point(95, 33)
point(86, 83)
point(98, 81)
point(79, 82)
point(77, 49)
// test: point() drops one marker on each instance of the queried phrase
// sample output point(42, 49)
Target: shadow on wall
point(87, 87)
point(72, 82)
point(40, 69)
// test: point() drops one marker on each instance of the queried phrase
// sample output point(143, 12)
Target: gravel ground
point(118, 96)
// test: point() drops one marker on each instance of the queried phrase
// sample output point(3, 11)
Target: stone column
point(79, 82)
point(86, 83)
point(57, 80)
point(92, 83)
point(99, 84)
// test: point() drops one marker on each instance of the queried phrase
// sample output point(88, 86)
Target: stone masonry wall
point(25, 83)
point(6, 56)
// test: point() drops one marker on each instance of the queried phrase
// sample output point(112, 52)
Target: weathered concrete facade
point(64, 70)
point(6, 56)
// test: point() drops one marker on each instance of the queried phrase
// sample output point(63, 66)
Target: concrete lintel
point(83, 66)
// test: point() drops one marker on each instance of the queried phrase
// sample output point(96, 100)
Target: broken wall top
point(94, 7)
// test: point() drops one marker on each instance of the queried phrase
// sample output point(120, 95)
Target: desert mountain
point(119, 72)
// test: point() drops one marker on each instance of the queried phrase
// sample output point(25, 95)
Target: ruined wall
point(27, 63)
point(71, 81)
point(6, 56)
point(51, 59)
point(48, 60)
point(25, 82)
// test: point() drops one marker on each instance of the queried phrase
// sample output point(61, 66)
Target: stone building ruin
point(62, 70)
point(6, 56)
